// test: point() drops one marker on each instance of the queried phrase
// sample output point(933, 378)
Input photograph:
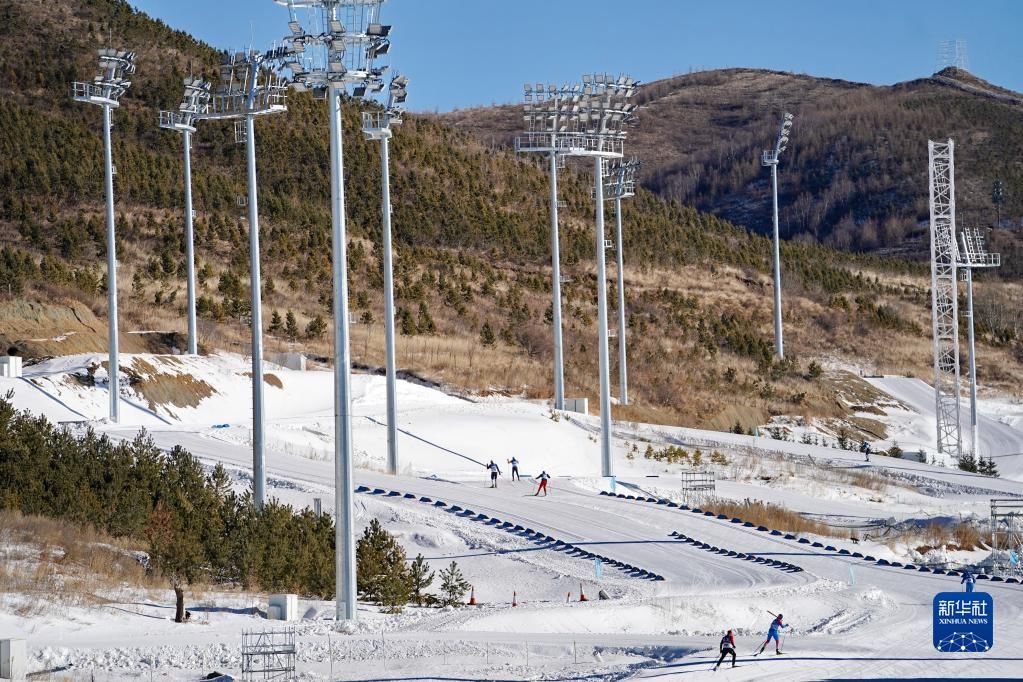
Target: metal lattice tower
point(1007, 524)
point(953, 53)
point(106, 90)
point(944, 295)
point(194, 104)
point(974, 255)
point(339, 56)
point(269, 656)
point(590, 122)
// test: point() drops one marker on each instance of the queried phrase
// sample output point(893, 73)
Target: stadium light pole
point(105, 90)
point(248, 90)
point(194, 103)
point(624, 186)
point(546, 112)
point(973, 255)
point(328, 63)
point(770, 158)
point(586, 120)
point(600, 114)
point(376, 125)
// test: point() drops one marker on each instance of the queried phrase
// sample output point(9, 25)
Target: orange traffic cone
point(472, 597)
point(582, 595)
point(515, 601)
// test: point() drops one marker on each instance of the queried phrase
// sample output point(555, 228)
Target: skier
point(543, 484)
point(727, 647)
point(515, 469)
point(494, 471)
point(865, 449)
point(969, 579)
point(772, 633)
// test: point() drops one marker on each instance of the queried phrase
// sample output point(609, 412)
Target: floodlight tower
point(194, 104)
point(604, 111)
point(974, 255)
point(944, 295)
point(594, 126)
point(105, 90)
point(249, 90)
point(546, 113)
point(376, 125)
point(770, 158)
point(342, 55)
point(622, 186)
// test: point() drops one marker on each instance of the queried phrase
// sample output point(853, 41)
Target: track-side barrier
point(537, 537)
point(804, 541)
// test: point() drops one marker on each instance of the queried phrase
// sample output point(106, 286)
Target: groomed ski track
point(638, 533)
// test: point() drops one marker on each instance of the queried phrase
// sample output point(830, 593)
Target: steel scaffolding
point(944, 295)
point(269, 655)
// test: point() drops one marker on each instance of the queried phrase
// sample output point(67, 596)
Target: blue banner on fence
point(964, 622)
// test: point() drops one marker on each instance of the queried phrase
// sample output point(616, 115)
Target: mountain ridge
point(854, 176)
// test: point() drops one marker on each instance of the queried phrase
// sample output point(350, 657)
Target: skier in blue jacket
point(969, 580)
point(773, 633)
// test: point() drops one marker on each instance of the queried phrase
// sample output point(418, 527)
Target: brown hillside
point(855, 174)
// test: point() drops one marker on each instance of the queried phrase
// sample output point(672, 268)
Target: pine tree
point(453, 585)
point(316, 327)
point(276, 323)
point(421, 578)
point(291, 326)
point(487, 337)
point(406, 325)
point(381, 571)
point(987, 467)
point(425, 323)
point(181, 524)
point(967, 463)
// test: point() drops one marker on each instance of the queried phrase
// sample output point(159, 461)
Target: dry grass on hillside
point(163, 388)
point(46, 562)
point(959, 536)
point(674, 379)
point(769, 515)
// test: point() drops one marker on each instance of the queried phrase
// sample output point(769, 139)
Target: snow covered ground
point(999, 422)
point(850, 618)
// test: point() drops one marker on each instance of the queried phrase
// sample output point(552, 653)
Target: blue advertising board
point(964, 622)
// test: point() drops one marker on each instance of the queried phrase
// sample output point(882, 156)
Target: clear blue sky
point(462, 53)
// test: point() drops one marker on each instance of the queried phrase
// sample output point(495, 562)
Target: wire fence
point(337, 656)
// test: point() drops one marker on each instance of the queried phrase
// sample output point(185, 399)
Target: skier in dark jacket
point(727, 647)
point(494, 471)
point(969, 580)
point(543, 477)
